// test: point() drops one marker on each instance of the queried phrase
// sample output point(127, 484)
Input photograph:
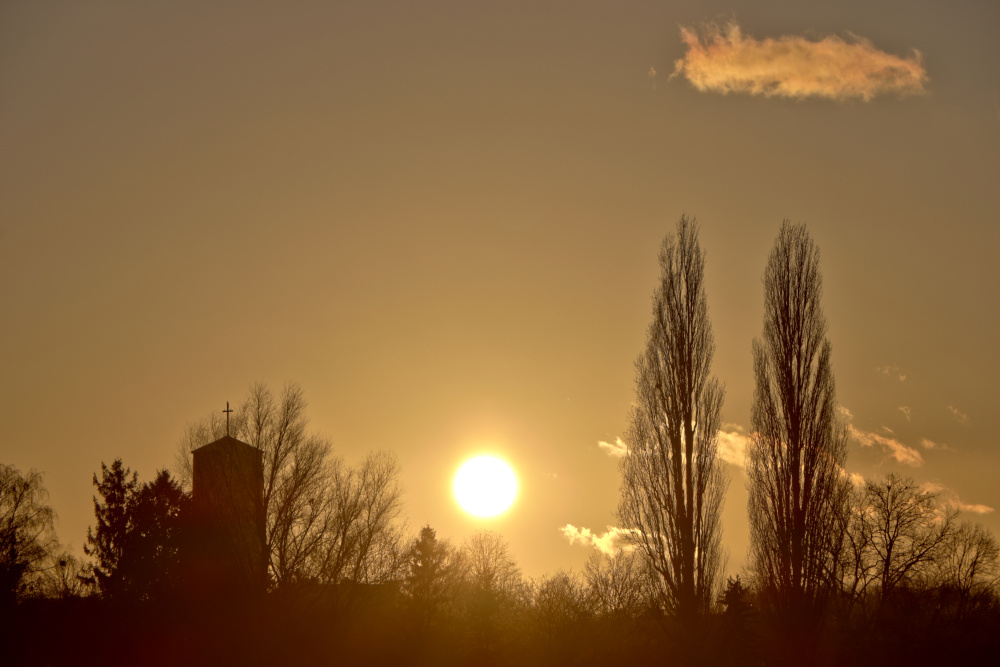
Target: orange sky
point(442, 220)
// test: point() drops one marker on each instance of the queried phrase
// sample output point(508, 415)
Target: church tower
point(228, 504)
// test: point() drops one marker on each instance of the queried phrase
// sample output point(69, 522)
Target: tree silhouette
point(155, 547)
point(490, 566)
point(672, 481)
point(494, 589)
point(139, 536)
point(896, 534)
point(430, 575)
point(618, 583)
point(562, 614)
point(797, 488)
point(27, 537)
point(107, 542)
point(969, 567)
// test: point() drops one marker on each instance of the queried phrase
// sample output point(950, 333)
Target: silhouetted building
point(228, 502)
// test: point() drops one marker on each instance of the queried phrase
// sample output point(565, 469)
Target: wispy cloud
point(724, 60)
point(845, 413)
point(959, 416)
point(930, 444)
point(907, 412)
point(967, 507)
point(612, 540)
point(893, 447)
point(618, 448)
point(950, 499)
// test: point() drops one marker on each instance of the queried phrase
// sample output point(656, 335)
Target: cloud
point(950, 499)
point(613, 540)
point(893, 447)
point(906, 411)
point(856, 479)
point(845, 413)
point(618, 448)
point(724, 60)
point(732, 444)
point(966, 507)
point(959, 416)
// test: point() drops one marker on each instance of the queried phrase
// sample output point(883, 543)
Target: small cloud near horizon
point(724, 60)
point(891, 370)
point(614, 539)
point(907, 412)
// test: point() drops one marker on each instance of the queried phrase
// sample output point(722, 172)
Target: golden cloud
point(723, 60)
point(895, 448)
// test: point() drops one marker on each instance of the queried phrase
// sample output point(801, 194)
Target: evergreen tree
point(155, 544)
point(107, 542)
point(429, 566)
point(137, 541)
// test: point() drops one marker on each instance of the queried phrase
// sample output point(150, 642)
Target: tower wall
point(228, 502)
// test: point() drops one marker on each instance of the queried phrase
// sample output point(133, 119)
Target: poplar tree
point(672, 480)
point(798, 490)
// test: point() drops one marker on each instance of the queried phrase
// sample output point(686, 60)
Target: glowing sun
point(485, 486)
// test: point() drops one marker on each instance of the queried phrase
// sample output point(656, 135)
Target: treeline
point(839, 571)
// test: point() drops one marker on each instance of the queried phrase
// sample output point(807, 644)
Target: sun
point(485, 486)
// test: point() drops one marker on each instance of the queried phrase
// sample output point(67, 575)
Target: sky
point(441, 219)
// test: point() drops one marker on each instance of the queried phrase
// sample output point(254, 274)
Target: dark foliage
point(139, 535)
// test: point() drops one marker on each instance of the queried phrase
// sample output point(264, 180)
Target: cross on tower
point(227, 411)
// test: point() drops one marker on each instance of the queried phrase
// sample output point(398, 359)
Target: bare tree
point(969, 567)
point(362, 541)
point(897, 533)
point(617, 583)
point(972, 563)
point(797, 490)
point(561, 610)
point(672, 480)
point(494, 596)
point(490, 567)
point(27, 536)
point(325, 520)
point(65, 576)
